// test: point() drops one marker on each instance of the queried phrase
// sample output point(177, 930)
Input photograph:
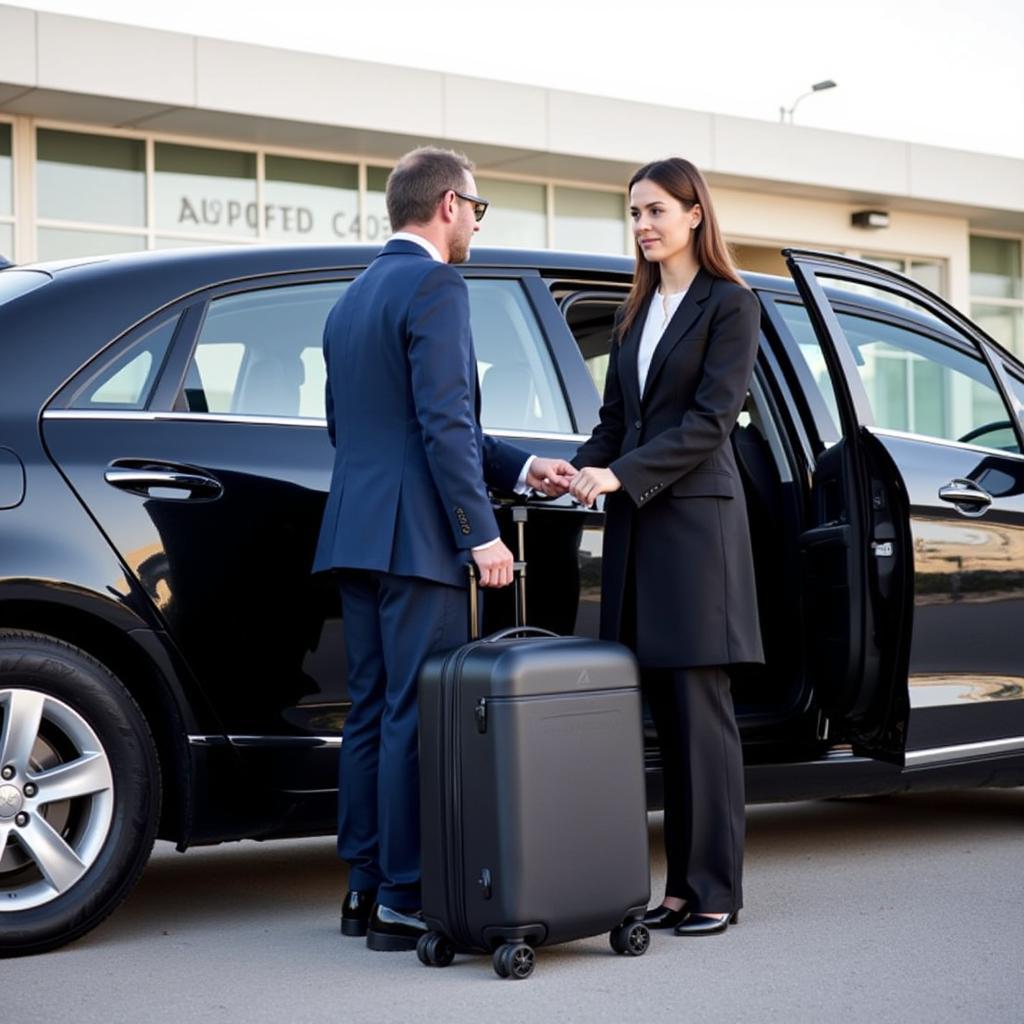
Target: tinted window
point(260, 353)
point(126, 382)
point(919, 384)
point(591, 322)
point(518, 386)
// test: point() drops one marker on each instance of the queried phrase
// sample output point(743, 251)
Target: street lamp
point(817, 87)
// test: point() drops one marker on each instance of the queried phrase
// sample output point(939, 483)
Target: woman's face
point(662, 226)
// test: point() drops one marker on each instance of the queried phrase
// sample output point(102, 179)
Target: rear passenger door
point(942, 405)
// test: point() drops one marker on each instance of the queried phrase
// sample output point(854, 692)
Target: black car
point(169, 667)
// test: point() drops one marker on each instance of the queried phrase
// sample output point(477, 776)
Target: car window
point(519, 388)
point(919, 384)
point(259, 353)
point(126, 382)
point(800, 327)
point(591, 320)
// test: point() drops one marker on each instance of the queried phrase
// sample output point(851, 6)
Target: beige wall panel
point(782, 220)
point(609, 129)
point(81, 55)
point(266, 82)
point(951, 175)
point(791, 153)
point(495, 112)
point(17, 46)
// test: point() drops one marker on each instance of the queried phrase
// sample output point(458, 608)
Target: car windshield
point(17, 282)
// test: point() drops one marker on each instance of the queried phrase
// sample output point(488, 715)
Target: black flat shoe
point(355, 912)
point(663, 917)
point(392, 931)
point(706, 924)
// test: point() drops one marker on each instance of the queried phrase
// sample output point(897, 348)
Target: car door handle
point(967, 496)
point(140, 477)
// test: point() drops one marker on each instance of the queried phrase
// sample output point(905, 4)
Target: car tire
point(79, 792)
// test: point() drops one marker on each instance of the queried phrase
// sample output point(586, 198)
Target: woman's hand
point(590, 482)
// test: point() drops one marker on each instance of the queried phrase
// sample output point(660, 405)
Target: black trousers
point(702, 770)
point(702, 764)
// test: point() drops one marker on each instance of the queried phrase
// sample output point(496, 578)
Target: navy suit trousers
point(391, 624)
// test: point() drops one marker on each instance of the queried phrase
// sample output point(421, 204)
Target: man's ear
point(447, 207)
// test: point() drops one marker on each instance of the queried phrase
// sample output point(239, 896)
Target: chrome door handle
point(140, 478)
point(968, 497)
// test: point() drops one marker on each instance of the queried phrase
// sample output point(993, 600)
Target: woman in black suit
point(678, 575)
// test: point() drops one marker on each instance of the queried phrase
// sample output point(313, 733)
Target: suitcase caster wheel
point(630, 939)
point(513, 960)
point(434, 950)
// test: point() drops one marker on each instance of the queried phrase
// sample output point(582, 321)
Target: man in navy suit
point(407, 509)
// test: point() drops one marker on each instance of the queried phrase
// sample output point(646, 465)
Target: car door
point(200, 447)
point(210, 484)
point(932, 439)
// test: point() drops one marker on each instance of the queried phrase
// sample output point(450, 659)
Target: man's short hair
point(419, 180)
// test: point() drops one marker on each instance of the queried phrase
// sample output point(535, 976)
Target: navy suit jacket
point(409, 488)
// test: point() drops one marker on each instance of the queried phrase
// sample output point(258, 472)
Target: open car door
point(856, 552)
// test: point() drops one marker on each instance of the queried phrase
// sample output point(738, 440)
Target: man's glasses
point(479, 205)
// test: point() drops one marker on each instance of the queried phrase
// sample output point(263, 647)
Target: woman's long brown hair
point(679, 178)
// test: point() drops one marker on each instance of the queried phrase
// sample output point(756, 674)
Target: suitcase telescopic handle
point(519, 515)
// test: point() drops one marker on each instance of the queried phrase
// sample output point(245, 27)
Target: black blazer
point(680, 513)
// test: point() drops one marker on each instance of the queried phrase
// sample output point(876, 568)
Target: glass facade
point(6, 173)
point(517, 216)
point(997, 289)
point(995, 267)
point(310, 200)
point(202, 191)
point(66, 243)
point(589, 221)
point(90, 179)
point(377, 227)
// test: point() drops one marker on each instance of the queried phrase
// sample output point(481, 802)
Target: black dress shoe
point(706, 924)
point(663, 917)
point(355, 912)
point(392, 930)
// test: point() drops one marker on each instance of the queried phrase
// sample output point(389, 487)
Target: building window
point(6, 195)
point(205, 191)
point(86, 186)
point(589, 221)
point(997, 290)
point(377, 227)
point(517, 216)
point(928, 273)
point(310, 200)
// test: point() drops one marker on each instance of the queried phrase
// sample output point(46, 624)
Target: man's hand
point(550, 476)
point(495, 565)
point(590, 482)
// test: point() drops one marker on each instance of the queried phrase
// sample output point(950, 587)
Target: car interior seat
point(271, 386)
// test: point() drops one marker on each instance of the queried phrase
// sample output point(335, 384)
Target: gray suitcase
point(533, 803)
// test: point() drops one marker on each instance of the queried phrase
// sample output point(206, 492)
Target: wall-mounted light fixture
point(871, 219)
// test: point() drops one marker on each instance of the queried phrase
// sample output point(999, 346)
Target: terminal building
point(116, 138)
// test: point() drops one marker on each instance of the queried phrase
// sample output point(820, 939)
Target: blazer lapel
point(682, 320)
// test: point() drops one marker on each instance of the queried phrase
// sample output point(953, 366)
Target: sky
point(943, 72)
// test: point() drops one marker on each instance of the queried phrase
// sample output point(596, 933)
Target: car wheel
point(79, 792)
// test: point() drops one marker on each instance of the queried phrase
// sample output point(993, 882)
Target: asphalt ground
point(904, 909)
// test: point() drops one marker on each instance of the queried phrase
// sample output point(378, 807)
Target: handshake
point(552, 477)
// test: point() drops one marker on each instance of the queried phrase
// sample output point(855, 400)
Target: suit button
point(465, 530)
point(638, 424)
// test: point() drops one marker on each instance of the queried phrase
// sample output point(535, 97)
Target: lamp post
point(817, 87)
